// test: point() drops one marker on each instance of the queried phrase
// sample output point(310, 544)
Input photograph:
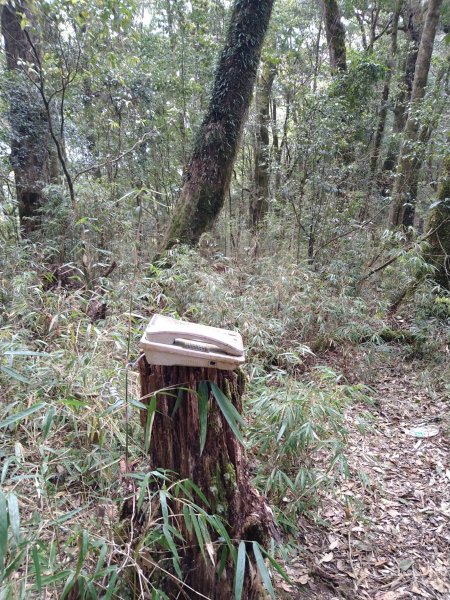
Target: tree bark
point(335, 31)
point(31, 158)
point(208, 174)
point(403, 192)
point(438, 253)
point(413, 30)
point(220, 471)
point(386, 91)
point(259, 199)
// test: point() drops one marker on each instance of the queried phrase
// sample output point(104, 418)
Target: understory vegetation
point(316, 217)
point(73, 450)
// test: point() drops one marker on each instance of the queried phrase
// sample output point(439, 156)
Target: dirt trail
point(387, 528)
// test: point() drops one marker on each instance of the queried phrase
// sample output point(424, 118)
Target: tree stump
point(220, 471)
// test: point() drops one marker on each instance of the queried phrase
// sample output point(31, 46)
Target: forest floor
point(384, 533)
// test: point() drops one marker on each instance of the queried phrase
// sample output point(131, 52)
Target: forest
point(278, 169)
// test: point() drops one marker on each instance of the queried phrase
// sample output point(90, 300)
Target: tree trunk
point(208, 174)
point(259, 200)
point(413, 29)
point(335, 31)
point(220, 471)
point(439, 251)
point(403, 192)
point(30, 143)
point(386, 91)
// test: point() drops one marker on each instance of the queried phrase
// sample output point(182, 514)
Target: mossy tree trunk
point(259, 200)
point(31, 158)
point(335, 31)
point(208, 174)
point(405, 187)
point(220, 471)
point(439, 223)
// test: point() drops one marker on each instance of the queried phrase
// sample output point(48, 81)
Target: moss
point(223, 487)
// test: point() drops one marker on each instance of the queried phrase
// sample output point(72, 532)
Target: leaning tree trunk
point(438, 253)
point(208, 174)
point(335, 31)
point(221, 471)
point(259, 199)
point(409, 160)
point(30, 144)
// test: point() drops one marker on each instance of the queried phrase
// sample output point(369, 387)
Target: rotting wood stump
point(220, 472)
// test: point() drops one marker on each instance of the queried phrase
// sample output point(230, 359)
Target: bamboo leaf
point(179, 399)
point(198, 532)
point(263, 569)
point(37, 568)
point(3, 531)
point(143, 489)
point(83, 541)
point(276, 565)
point(20, 416)
point(187, 518)
point(164, 509)
point(101, 559)
point(14, 516)
point(14, 374)
point(111, 586)
point(202, 396)
point(151, 409)
point(48, 422)
point(240, 571)
point(173, 549)
point(228, 410)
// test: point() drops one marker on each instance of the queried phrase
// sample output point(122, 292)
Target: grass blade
point(202, 396)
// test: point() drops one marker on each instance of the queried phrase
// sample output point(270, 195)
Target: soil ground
point(384, 534)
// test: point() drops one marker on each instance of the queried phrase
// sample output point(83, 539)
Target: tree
point(208, 174)
point(31, 158)
point(403, 196)
point(413, 25)
point(259, 201)
point(335, 31)
point(439, 224)
point(386, 90)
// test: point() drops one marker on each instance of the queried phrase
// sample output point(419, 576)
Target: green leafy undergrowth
point(298, 435)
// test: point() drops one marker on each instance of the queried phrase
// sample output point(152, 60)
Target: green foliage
point(293, 422)
point(128, 85)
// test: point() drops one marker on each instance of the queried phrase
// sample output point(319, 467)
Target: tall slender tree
point(412, 26)
point(335, 31)
point(259, 200)
point(379, 133)
point(403, 196)
point(30, 143)
point(209, 171)
point(439, 225)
